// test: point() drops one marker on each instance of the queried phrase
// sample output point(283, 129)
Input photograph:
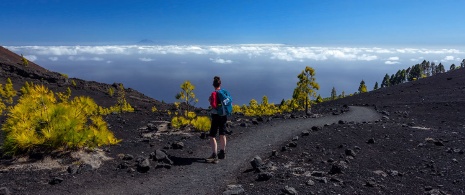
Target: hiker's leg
point(213, 131)
point(214, 145)
point(223, 142)
point(222, 132)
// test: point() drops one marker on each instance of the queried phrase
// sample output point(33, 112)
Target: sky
point(258, 47)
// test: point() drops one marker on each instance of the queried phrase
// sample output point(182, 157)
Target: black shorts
point(218, 122)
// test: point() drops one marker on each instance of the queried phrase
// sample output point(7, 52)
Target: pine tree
point(452, 67)
point(362, 88)
point(306, 88)
point(333, 94)
point(376, 86)
point(385, 82)
point(462, 64)
point(319, 99)
point(187, 95)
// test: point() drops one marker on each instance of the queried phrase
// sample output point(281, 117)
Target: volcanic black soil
point(404, 139)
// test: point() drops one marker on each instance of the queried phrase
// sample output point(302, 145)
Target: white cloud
point(146, 59)
point(31, 58)
point(366, 57)
point(391, 62)
point(448, 58)
point(221, 61)
point(417, 59)
point(271, 51)
point(53, 58)
point(82, 58)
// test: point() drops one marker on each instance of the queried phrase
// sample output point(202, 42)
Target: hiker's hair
point(216, 81)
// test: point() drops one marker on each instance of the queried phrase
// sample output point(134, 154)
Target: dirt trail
point(203, 178)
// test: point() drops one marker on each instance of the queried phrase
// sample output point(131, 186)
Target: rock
point(289, 190)
point(274, 153)
point(84, 168)
point(292, 144)
point(380, 172)
point(438, 143)
point(337, 168)
point(244, 125)
point(335, 180)
point(310, 182)
point(73, 169)
point(298, 170)
point(264, 176)
point(256, 163)
point(371, 184)
point(318, 173)
point(428, 188)
point(233, 190)
point(317, 128)
point(394, 173)
point(128, 157)
point(152, 127)
point(143, 164)
point(158, 155)
point(284, 148)
point(305, 133)
point(123, 165)
point(203, 135)
point(295, 138)
point(341, 122)
point(161, 156)
point(254, 121)
point(321, 179)
point(371, 141)
point(350, 152)
point(177, 145)
point(385, 118)
point(4, 191)
point(56, 180)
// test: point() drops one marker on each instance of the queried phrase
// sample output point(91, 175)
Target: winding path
point(204, 178)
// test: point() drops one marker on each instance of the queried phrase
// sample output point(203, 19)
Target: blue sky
point(258, 47)
point(298, 22)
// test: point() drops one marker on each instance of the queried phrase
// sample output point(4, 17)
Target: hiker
point(220, 102)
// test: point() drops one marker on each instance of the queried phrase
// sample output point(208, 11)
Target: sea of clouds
point(248, 71)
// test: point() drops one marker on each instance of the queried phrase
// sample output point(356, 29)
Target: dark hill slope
point(440, 98)
point(417, 147)
point(12, 67)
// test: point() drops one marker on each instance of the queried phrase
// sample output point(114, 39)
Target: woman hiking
point(218, 124)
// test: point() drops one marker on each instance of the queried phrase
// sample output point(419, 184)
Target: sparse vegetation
point(24, 61)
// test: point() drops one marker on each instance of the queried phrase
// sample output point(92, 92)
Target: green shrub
point(38, 123)
point(202, 123)
point(111, 91)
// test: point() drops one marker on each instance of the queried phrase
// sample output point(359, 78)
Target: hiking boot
point(221, 154)
point(212, 159)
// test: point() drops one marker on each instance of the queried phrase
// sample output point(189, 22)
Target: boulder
point(143, 164)
point(177, 145)
point(289, 190)
point(305, 133)
point(257, 163)
point(56, 180)
point(233, 190)
point(264, 176)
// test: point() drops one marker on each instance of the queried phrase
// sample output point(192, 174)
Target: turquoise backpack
point(225, 103)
